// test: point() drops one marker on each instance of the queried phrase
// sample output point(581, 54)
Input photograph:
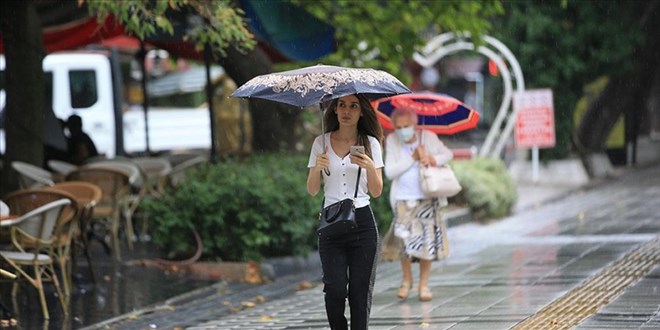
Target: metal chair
point(156, 170)
point(131, 201)
point(36, 226)
point(4, 208)
point(179, 171)
point(87, 195)
point(4, 212)
point(31, 176)
point(61, 167)
point(115, 186)
point(66, 226)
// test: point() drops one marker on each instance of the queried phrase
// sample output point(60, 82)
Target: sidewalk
point(563, 242)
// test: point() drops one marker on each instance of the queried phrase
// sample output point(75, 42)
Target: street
point(598, 247)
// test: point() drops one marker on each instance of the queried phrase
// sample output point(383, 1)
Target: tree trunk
point(625, 94)
point(24, 120)
point(272, 123)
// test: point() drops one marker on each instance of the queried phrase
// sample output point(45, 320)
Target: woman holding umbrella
point(419, 232)
point(348, 261)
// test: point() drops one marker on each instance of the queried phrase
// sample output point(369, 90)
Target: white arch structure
point(448, 43)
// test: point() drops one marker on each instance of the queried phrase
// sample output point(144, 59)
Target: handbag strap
point(357, 182)
point(357, 185)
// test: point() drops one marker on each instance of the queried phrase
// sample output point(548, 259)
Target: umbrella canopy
point(314, 84)
point(439, 113)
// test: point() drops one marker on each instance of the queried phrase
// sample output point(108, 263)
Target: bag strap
point(357, 182)
point(357, 185)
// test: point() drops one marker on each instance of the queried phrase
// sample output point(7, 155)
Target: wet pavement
point(498, 275)
point(122, 288)
point(502, 273)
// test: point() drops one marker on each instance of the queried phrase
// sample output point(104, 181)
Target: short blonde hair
point(404, 112)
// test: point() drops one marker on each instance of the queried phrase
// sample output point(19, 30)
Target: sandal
point(425, 294)
point(404, 289)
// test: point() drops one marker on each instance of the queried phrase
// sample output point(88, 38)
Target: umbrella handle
point(327, 171)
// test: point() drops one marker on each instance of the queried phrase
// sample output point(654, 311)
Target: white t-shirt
point(343, 173)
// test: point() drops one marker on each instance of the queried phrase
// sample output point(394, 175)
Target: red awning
point(111, 33)
point(78, 34)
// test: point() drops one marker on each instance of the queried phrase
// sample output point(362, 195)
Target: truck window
point(83, 88)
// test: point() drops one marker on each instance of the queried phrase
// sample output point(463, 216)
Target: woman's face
point(348, 110)
point(403, 122)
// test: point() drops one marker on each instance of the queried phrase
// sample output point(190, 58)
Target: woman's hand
point(423, 158)
point(362, 160)
point(314, 177)
point(374, 175)
point(322, 161)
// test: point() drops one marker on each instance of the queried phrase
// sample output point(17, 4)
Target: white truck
point(89, 84)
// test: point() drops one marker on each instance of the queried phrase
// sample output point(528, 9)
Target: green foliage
point(382, 209)
point(220, 25)
point(384, 34)
point(564, 45)
point(258, 207)
point(243, 209)
point(488, 188)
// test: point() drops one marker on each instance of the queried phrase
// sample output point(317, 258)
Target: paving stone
point(498, 273)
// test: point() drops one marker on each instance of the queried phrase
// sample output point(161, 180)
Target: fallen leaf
point(266, 318)
point(260, 299)
point(248, 304)
point(304, 285)
point(424, 325)
point(226, 303)
point(133, 317)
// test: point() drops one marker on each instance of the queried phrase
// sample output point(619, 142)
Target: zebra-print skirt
point(421, 229)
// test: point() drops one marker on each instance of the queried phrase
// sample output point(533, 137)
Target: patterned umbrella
point(439, 113)
point(315, 84)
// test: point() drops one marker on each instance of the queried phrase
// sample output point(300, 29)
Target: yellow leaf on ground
point(248, 304)
point(304, 285)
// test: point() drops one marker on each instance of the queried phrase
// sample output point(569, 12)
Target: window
point(83, 88)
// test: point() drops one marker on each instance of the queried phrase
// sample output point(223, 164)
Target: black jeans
point(349, 270)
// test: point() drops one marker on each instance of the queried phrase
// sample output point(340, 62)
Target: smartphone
point(357, 150)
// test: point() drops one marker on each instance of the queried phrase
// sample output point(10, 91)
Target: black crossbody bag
point(338, 218)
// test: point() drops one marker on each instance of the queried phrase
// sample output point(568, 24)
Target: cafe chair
point(61, 167)
point(31, 176)
point(30, 263)
point(66, 226)
point(179, 171)
point(87, 195)
point(156, 170)
point(115, 187)
point(4, 208)
point(132, 199)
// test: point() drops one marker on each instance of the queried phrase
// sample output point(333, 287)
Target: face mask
point(405, 133)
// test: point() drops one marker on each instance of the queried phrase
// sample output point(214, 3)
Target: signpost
point(535, 123)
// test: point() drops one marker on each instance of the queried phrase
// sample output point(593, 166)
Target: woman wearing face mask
point(418, 233)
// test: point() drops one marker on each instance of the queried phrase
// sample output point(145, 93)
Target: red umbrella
point(439, 113)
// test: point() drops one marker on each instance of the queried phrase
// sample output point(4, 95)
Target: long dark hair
point(367, 124)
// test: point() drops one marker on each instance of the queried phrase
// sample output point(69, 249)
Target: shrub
point(258, 207)
point(488, 188)
point(243, 210)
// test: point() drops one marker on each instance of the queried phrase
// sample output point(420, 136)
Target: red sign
point(535, 122)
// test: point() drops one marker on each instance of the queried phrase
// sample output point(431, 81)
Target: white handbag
point(439, 181)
